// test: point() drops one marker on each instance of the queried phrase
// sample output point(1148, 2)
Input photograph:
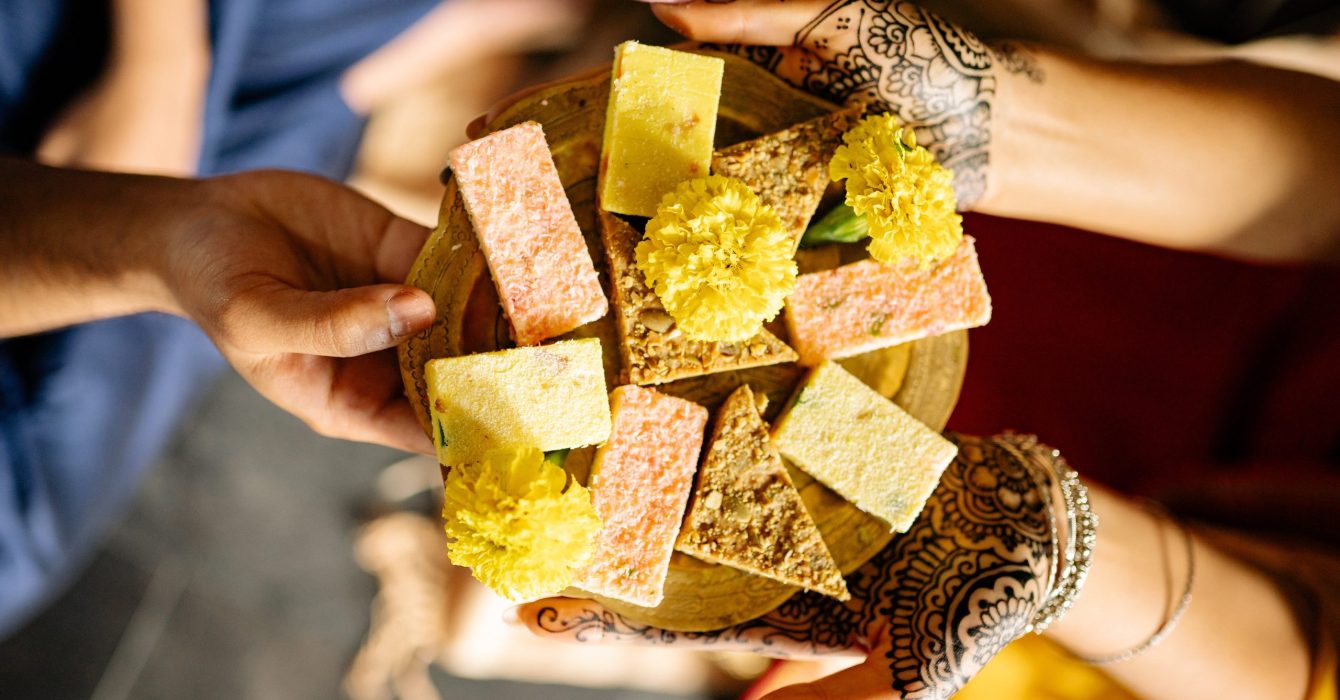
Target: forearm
point(1227, 157)
point(1236, 613)
point(154, 31)
point(77, 246)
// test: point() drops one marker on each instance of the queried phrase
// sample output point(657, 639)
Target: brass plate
point(698, 596)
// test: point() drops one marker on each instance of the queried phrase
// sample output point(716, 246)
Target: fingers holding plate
point(778, 635)
point(756, 22)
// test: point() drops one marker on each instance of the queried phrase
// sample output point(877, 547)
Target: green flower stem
point(557, 457)
point(839, 225)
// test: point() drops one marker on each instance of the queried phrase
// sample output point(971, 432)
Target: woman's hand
point(299, 281)
point(1143, 151)
point(927, 612)
point(891, 56)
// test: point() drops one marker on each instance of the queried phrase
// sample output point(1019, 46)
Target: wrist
point(1128, 567)
point(1018, 121)
point(151, 33)
point(77, 246)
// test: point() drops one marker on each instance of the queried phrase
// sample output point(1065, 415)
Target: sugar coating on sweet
point(659, 125)
point(867, 305)
point(862, 446)
point(549, 397)
point(640, 483)
point(540, 263)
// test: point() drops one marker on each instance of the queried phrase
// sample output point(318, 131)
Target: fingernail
point(408, 312)
point(473, 130)
point(510, 615)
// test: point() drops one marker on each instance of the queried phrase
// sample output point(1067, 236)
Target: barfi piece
point(654, 351)
point(864, 306)
point(746, 513)
point(550, 397)
point(659, 126)
point(540, 263)
point(788, 169)
point(640, 483)
point(862, 446)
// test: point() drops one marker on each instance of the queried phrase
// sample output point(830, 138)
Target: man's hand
point(892, 56)
point(927, 612)
point(299, 281)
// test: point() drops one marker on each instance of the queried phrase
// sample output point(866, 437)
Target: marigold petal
point(517, 521)
point(718, 258)
point(906, 198)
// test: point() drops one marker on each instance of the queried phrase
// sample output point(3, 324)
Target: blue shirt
point(84, 410)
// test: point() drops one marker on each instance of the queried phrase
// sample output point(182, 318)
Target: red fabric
point(1150, 368)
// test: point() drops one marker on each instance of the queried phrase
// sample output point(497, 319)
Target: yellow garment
point(1033, 668)
point(1323, 686)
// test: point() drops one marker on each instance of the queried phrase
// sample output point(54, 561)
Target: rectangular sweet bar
point(550, 397)
point(862, 446)
point(659, 126)
point(540, 263)
point(864, 306)
point(640, 482)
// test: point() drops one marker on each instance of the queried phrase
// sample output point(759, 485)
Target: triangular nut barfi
point(789, 169)
point(746, 513)
point(653, 349)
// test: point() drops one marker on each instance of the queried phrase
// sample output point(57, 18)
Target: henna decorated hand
point(892, 56)
point(928, 611)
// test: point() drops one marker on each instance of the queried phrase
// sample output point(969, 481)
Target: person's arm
point(970, 576)
point(1237, 638)
point(297, 279)
point(1223, 156)
point(145, 112)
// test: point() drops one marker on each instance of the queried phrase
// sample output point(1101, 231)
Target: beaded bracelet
point(1082, 537)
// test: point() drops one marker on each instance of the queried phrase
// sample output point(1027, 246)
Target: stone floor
point(231, 577)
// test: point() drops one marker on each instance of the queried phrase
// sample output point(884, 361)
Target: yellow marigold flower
point(906, 197)
point(511, 520)
point(719, 259)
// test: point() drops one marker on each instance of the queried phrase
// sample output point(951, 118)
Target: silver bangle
point(1168, 624)
point(1063, 582)
point(1083, 534)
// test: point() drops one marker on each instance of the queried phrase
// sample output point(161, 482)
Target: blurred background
point(259, 560)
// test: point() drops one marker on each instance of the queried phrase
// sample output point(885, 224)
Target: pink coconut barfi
point(868, 305)
point(640, 482)
point(540, 263)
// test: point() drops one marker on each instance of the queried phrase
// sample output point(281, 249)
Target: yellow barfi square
point(863, 446)
point(659, 126)
point(550, 397)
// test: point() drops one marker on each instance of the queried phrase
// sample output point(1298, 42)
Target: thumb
point(754, 22)
point(277, 318)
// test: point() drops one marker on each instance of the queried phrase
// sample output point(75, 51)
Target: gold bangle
point(1182, 603)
